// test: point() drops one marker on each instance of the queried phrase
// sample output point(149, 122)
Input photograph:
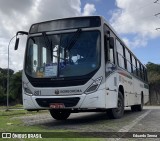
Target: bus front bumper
point(84, 101)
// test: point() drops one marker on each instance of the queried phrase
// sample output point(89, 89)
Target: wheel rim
point(120, 106)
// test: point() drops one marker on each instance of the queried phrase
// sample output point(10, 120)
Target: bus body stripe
point(124, 74)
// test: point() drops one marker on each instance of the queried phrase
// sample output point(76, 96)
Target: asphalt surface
point(147, 120)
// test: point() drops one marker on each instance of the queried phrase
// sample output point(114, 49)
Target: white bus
point(80, 64)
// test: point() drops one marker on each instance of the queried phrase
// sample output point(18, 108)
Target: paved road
point(146, 121)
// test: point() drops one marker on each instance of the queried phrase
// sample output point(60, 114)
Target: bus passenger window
point(128, 60)
point(120, 54)
point(134, 66)
point(138, 68)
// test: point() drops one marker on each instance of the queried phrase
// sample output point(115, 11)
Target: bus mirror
point(17, 39)
point(106, 42)
point(21, 33)
point(16, 44)
point(111, 42)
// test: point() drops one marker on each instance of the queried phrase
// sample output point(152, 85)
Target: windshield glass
point(66, 55)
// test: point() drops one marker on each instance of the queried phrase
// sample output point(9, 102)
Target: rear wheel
point(138, 107)
point(60, 114)
point(134, 108)
point(118, 112)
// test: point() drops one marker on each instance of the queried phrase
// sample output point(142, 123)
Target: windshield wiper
point(72, 42)
point(73, 39)
point(48, 43)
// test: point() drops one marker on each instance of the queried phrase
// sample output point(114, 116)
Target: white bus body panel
point(105, 97)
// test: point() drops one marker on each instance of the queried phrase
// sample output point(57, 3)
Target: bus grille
point(68, 102)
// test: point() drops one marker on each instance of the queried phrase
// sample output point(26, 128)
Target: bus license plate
point(57, 106)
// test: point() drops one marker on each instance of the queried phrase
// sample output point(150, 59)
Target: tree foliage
point(15, 87)
point(154, 82)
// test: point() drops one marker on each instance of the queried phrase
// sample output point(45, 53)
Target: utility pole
point(8, 75)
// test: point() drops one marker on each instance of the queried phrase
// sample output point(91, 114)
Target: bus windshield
point(65, 56)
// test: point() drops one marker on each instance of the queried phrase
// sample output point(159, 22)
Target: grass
point(8, 123)
point(17, 106)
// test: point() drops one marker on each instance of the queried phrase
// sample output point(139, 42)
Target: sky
point(135, 21)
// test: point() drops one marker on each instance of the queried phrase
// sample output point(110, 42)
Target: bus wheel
point(118, 112)
point(134, 108)
point(60, 114)
point(138, 107)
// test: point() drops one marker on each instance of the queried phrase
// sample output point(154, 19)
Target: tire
point(118, 112)
point(60, 114)
point(138, 107)
point(134, 108)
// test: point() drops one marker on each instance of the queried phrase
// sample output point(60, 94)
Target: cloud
point(135, 42)
point(12, 6)
point(18, 15)
point(136, 18)
point(89, 9)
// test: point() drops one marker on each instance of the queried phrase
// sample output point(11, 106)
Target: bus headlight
point(94, 86)
point(27, 91)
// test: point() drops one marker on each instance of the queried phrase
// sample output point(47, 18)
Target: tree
point(16, 87)
point(154, 80)
point(3, 84)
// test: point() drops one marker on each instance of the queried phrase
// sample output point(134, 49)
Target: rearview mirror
point(109, 45)
point(16, 44)
point(17, 39)
point(111, 42)
point(21, 33)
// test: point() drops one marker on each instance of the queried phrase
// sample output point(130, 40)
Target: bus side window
point(138, 68)
point(120, 54)
point(144, 76)
point(128, 60)
point(141, 68)
point(109, 42)
point(134, 66)
point(111, 49)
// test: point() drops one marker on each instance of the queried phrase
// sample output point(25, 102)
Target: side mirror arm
point(17, 39)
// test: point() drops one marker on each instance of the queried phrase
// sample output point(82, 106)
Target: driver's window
point(111, 50)
point(111, 56)
point(35, 57)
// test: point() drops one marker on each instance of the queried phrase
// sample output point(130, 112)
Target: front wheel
point(118, 112)
point(60, 114)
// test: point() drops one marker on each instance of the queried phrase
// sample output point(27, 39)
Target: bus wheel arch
point(121, 89)
point(116, 113)
point(138, 107)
